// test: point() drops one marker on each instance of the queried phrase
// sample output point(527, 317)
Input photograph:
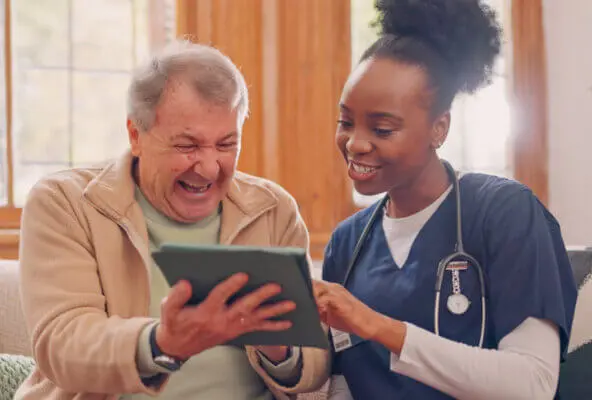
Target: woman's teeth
point(360, 169)
point(195, 188)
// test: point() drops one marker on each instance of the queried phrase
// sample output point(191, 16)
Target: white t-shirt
point(525, 366)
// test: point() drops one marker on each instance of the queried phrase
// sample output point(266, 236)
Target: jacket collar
point(111, 192)
point(243, 204)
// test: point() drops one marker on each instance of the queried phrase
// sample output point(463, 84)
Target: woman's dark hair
point(455, 41)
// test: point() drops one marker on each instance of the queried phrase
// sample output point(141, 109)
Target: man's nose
point(208, 166)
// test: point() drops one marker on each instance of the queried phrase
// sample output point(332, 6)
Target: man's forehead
point(197, 119)
point(200, 136)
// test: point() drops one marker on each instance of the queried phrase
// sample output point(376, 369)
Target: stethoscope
point(457, 302)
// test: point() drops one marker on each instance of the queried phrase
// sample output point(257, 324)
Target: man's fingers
point(178, 296)
point(248, 303)
point(226, 289)
point(272, 326)
point(275, 310)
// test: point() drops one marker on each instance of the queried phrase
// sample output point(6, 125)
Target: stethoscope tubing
point(458, 254)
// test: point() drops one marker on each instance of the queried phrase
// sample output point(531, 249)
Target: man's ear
point(134, 138)
point(440, 130)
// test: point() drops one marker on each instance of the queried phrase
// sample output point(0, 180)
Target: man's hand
point(188, 330)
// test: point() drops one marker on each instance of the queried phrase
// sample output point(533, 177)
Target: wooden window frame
point(10, 215)
point(528, 100)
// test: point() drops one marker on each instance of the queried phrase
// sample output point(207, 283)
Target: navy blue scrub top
point(516, 240)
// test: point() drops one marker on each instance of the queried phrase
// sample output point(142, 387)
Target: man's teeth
point(196, 188)
point(362, 169)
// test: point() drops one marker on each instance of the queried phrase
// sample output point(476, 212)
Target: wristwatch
point(161, 359)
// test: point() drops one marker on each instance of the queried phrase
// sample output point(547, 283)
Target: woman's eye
point(344, 124)
point(383, 132)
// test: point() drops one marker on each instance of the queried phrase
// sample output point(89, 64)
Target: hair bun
point(465, 32)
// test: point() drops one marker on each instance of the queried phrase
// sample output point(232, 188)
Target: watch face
point(458, 303)
point(167, 362)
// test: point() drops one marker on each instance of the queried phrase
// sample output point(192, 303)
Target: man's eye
point(185, 148)
point(228, 145)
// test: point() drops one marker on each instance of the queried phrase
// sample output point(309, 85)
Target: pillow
point(13, 371)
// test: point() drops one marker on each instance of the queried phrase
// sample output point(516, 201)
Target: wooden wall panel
point(235, 28)
point(9, 244)
point(245, 49)
point(295, 56)
point(529, 105)
point(314, 62)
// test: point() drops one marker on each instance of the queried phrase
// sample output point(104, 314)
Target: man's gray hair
point(212, 74)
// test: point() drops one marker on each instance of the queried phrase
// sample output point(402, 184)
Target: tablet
point(206, 266)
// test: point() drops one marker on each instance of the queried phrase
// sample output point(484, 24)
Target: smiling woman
point(387, 266)
point(385, 123)
point(480, 131)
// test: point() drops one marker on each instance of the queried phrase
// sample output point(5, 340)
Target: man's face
point(188, 158)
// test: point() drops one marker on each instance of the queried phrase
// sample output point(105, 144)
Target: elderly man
point(103, 322)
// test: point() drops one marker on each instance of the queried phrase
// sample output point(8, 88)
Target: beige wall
point(568, 30)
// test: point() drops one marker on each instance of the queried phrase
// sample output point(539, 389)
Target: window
point(71, 62)
point(3, 172)
point(479, 137)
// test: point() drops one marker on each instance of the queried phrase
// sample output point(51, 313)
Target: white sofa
point(14, 338)
point(13, 333)
point(15, 364)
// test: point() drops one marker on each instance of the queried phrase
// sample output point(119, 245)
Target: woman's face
point(386, 132)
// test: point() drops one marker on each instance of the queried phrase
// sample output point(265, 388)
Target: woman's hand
point(341, 310)
point(188, 330)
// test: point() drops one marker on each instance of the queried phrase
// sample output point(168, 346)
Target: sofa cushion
point(575, 378)
point(13, 371)
point(13, 332)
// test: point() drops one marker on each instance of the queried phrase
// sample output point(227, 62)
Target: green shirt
point(220, 373)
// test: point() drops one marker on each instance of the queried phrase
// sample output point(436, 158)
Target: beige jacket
point(85, 260)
